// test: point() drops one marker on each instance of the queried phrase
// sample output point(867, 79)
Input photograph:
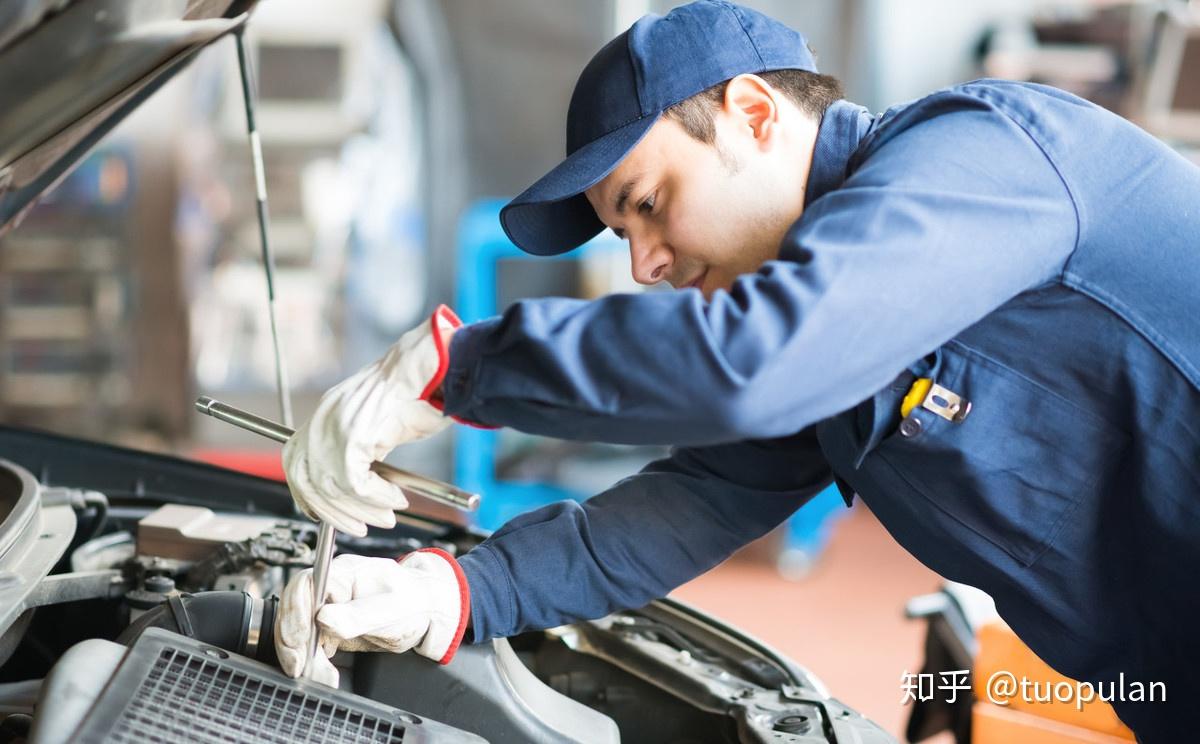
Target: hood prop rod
point(260, 184)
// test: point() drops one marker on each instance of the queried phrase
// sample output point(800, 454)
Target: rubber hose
point(221, 619)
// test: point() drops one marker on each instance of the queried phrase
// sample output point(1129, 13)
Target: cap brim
point(553, 216)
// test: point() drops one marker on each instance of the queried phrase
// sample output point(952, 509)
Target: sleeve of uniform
point(951, 214)
point(641, 538)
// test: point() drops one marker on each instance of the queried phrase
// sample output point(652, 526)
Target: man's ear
point(754, 107)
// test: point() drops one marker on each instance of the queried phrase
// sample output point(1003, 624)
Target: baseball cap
point(622, 92)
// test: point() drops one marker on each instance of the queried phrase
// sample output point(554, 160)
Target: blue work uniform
point(1035, 256)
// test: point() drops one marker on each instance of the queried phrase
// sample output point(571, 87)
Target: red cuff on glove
point(442, 344)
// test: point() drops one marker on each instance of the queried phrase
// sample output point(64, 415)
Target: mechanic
point(978, 311)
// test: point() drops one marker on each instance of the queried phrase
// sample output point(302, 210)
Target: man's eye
point(647, 205)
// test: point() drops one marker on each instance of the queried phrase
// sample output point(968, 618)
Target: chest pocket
point(1015, 469)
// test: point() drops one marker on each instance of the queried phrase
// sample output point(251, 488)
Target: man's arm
point(944, 222)
point(641, 538)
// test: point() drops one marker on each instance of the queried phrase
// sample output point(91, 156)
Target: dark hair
point(810, 91)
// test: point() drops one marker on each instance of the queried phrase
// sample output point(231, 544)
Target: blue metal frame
point(482, 244)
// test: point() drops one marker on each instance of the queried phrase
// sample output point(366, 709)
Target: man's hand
point(392, 401)
point(375, 604)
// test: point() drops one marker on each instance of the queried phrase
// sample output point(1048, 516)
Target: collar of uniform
point(842, 127)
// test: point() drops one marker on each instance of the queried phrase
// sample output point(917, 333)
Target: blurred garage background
point(392, 132)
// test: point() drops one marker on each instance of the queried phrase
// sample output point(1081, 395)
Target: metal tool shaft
point(326, 538)
point(434, 490)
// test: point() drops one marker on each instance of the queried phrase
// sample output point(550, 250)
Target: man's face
point(699, 215)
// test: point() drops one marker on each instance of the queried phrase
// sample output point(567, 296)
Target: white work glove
point(375, 604)
point(362, 419)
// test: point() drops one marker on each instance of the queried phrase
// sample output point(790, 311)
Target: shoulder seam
point(965, 90)
point(1062, 179)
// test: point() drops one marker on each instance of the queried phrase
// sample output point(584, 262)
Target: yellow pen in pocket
point(915, 395)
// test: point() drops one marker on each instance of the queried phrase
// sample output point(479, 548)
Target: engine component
point(260, 581)
point(154, 592)
point(234, 621)
point(73, 587)
point(108, 551)
point(71, 687)
point(171, 688)
point(246, 565)
point(253, 565)
point(80, 500)
point(636, 642)
point(33, 537)
point(19, 697)
point(190, 533)
point(487, 690)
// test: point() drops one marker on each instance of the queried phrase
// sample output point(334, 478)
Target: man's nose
point(649, 258)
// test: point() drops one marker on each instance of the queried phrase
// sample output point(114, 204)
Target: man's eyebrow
point(626, 190)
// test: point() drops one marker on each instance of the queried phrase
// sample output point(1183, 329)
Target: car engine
point(137, 603)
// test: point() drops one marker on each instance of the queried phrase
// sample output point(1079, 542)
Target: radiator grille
point(191, 697)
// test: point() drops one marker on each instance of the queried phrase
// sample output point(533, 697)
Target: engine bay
point(111, 561)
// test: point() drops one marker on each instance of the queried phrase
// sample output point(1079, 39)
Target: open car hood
point(72, 70)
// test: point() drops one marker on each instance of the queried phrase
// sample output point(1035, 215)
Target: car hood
point(72, 70)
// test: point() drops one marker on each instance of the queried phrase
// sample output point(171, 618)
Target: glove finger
point(335, 513)
point(306, 510)
point(349, 563)
point(339, 585)
point(294, 618)
point(295, 472)
point(357, 576)
point(363, 490)
point(355, 645)
point(378, 491)
point(396, 644)
point(361, 504)
point(345, 508)
point(330, 645)
point(293, 624)
point(324, 671)
point(320, 496)
point(342, 621)
point(291, 660)
point(292, 452)
point(376, 616)
point(295, 610)
point(301, 484)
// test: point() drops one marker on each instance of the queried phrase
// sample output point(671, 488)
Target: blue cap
point(658, 62)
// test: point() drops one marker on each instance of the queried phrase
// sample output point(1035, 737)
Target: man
point(978, 311)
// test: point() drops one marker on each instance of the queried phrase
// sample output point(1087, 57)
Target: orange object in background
point(993, 724)
point(1052, 722)
point(264, 463)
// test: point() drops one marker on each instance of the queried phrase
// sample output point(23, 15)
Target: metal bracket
point(946, 403)
point(72, 587)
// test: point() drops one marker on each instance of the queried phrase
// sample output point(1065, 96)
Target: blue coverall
point(1025, 249)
